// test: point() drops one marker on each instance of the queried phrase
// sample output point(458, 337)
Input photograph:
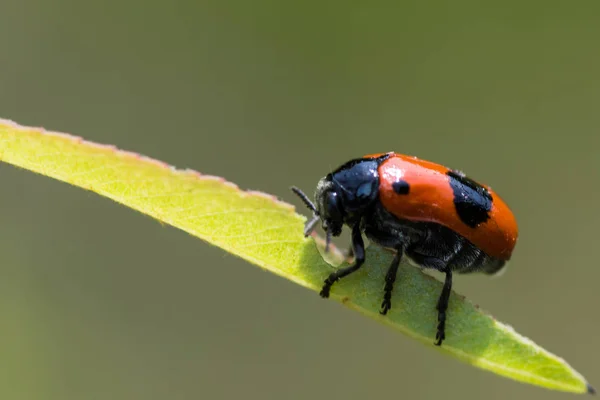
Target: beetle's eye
point(334, 211)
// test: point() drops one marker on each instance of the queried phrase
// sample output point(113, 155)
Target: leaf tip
point(590, 389)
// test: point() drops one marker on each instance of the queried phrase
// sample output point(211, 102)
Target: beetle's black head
point(343, 196)
point(330, 207)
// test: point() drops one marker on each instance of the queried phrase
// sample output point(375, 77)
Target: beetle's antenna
point(310, 225)
point(305, 199)
point(327, 240)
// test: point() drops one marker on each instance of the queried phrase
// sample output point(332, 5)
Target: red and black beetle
point(431, 214)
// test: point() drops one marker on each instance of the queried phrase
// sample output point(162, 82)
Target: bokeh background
point(100, 302)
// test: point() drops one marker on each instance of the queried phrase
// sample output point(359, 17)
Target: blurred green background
point(100, 302)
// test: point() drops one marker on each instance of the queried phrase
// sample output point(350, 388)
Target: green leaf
point(267, 232)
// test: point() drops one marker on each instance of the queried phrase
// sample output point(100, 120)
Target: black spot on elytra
point(401, 187)
point(473, 202)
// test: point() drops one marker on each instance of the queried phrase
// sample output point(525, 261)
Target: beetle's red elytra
point(438, 194)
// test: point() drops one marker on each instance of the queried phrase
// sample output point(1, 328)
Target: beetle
point(436, 216)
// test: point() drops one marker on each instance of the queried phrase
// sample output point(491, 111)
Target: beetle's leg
point(390, 278)
point(442, 307)
point(359, 258)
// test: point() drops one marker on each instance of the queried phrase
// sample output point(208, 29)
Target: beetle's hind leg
point(442, 304)
point(442, 307)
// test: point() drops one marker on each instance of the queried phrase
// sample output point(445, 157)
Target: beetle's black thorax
point(357, 183)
